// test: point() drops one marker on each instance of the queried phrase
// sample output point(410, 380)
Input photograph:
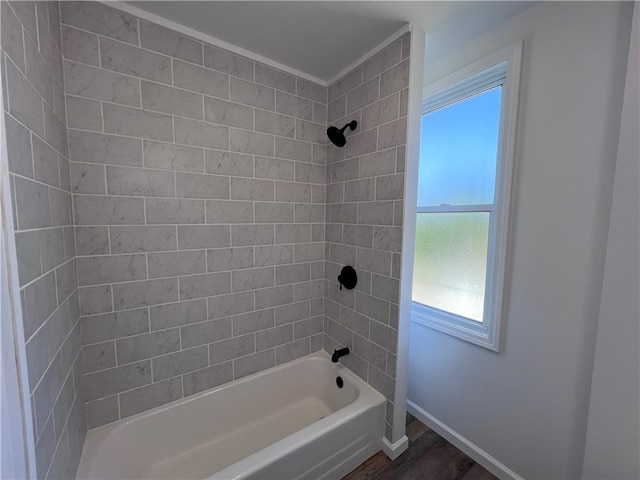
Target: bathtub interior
point(194, 437)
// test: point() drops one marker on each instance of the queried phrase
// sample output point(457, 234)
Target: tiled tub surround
point(198, 182)
point(365, 191)
point(39, 176)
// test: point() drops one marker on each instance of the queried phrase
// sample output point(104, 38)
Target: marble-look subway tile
point(293, 105)
point(192, 132)
point(383, 60)
point(80, 46)
point(26, 103)
point(145, 398)
point(137, 123)
point(251, 235)
point(274, 168)
point(91, 82)
point(250, 93)
point(32, 204)
point(95, 300)
point(273, 297)
point(170, 43)
point(168, 156)
point(228, 113)
point(231, 348)
point(381, 112)
point(177, 363)
point(141, 239)
point(392, 134)
point(293, 149)
point(207, 378)
point(101, 412)
point(205, 285)
point(378, 163)
point(310, 90)
point(202, 80)
point(253, 363)
point(228, 163)
point(108, 149)
point(203, 236)
point(84, 114)
point(269, 255)
point(228, 62)
point(193, 185)
point(171, 264)
point(177, 314)
point(292, 351)
point(395, 79)
point(251, 279)
point(221, 212)
point(175, 101)
point(116, 380)
point(110, 269)
point(18, 147)
point(205, 332)
point(100, 210)
point(147, 345)
point(252, 322)
point(99, 356)
point(350, 81)
point(134, 61)
point(111, 326)
point(144, 293)
point(245, 141)
point(232, 304)
point(274, 123)
point(172, 211)
point(275, 78)
point(140, 182)
point(12, 42)
point(225, 259)
point(99, 18)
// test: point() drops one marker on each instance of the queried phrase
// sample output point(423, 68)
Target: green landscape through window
point(456, 189)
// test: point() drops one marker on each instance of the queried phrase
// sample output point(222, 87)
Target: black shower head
point(337, 135)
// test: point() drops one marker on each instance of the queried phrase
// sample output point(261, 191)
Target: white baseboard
point(394, 450)
point(460, 442)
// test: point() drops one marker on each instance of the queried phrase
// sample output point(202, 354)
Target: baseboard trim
point(462, 443)
point(394, 450)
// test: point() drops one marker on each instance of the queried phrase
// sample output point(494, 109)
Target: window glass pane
point(450, 262)
point(458, 151)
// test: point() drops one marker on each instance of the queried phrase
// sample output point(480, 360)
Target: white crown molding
point(216, 42)
point(203, 37)
point(385, 43)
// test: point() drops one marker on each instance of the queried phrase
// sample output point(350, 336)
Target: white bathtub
point(288, 422)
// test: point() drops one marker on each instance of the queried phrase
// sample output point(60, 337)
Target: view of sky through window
point(458, 151)
point(458, 155)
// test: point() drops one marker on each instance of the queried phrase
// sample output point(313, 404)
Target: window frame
point(464, 83)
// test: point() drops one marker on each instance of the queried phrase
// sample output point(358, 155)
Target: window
point(464, 184)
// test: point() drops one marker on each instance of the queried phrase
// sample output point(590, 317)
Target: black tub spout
point(339, 353)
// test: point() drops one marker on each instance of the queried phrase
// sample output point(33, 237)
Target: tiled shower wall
point(198, 180)
point(39, 177)
point(365, 191)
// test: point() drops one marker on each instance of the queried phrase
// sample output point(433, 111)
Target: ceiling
point(321, 38)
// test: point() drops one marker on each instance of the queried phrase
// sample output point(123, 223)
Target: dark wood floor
point(429, 457)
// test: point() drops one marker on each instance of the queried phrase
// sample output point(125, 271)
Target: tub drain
point(339, 382)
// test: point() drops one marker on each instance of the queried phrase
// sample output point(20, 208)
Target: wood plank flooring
point(429, 457)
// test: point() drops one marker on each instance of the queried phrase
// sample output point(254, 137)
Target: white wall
point(613, 435)
point(527, 406)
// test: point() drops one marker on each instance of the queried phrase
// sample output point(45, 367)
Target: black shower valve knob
point(347, 277)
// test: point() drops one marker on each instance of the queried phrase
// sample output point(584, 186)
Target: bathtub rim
point(367, 397)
